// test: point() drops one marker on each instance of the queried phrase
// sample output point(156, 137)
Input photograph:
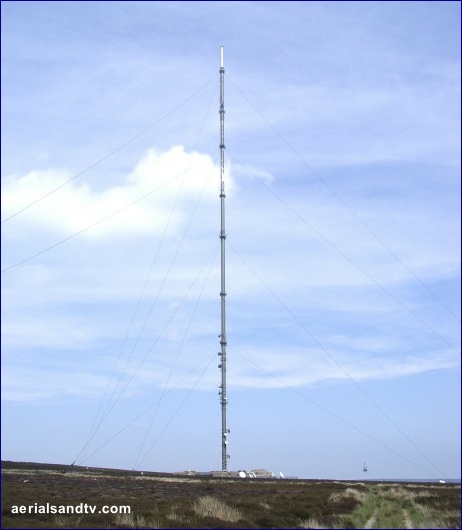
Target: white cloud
point(76, 205)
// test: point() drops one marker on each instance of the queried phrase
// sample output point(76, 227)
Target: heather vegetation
point(174, 501)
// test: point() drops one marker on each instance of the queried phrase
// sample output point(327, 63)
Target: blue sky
point(343, 222)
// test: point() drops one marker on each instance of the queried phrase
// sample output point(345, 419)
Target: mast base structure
point(223, 343)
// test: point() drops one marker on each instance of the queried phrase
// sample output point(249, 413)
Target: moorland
point(162, 500)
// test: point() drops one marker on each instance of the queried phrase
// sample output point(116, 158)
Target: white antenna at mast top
point(221, 57)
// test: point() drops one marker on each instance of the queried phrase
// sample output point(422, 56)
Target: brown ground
point(163, 500)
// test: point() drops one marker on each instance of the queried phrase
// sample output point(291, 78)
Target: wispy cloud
point(311, 367)
point(327, 271)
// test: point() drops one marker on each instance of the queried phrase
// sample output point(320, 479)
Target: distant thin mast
point(222, 354)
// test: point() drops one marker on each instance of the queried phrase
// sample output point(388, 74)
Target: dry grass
point(404, 493)
point(173, 515)
point(213, 507)
point(349, 493)
point(129, 520)
point(65, 521)
point(312, 522)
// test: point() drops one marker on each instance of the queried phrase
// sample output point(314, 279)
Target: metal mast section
point(222, 354)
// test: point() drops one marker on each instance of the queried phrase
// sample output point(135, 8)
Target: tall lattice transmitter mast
point(222, 353)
